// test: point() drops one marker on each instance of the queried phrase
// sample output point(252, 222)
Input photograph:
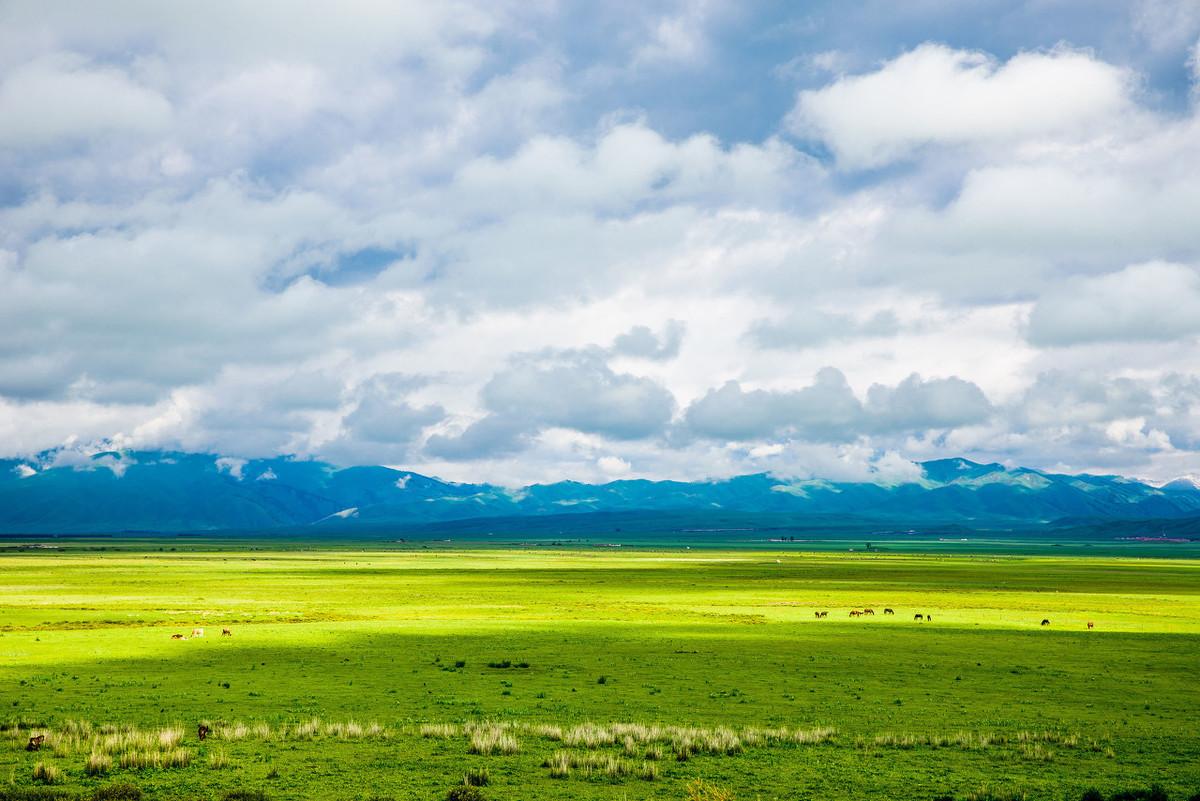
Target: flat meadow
point(400, 671)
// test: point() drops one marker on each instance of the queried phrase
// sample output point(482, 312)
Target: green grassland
point(391, 671)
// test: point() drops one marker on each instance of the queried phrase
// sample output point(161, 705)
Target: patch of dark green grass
point(477, 777)
point(245, 795)
point(118, 792)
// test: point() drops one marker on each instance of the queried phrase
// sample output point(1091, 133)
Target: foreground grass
point(352, 674)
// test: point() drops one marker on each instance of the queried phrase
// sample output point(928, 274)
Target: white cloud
point(61, 98)
point(829, 411)
point(613, 466)
point(251, 229)
point(1146, 302)
point(231, 465)
point(935, 95)
point(641, 342)
point(578, 391)
point(385, 424)
point(826, 410)
point(805, 329)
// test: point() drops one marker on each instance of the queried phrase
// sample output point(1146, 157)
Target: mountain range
point(172, 492)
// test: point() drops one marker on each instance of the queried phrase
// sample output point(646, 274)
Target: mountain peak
point(171, 491)
point(1188, 483)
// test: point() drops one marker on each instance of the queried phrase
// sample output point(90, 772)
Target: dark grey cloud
point(491, 436)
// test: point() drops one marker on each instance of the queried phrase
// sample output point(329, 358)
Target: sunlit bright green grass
point(681, 638)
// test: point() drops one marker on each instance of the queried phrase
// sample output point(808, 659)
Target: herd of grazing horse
point(918, 617)
point(199, 632)
point(203, 731)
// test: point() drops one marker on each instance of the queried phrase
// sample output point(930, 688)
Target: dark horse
point(35, 743)
point(1045, 621)
point(918, 616)
point(887, 611)
point(202, 731)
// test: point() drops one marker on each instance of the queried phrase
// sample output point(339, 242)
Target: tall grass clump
point(219, 760)
point(550, 731)
point(308, 729)
point(489, 740)
point(559, 764)
point(465, 792)
point(815, 736)
point(169, 738)
point(46, 773)
point(477, 777)
point(439, 730)
point(98, 764)
point(702, 790)
point(177, 758)
point(563, 764)
point(986, 793)
point(1037, 753)
point(140, 760)
point(588, 735)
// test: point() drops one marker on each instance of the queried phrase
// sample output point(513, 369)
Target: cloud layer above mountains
point(522, 242)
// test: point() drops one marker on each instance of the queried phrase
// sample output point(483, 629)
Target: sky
point(532, 241)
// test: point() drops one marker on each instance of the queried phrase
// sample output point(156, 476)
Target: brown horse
point(855, 613)
point(868, 611)
point(888, 611)
point(226, 633)
point(202, 731)
point(35, 743)
point(1091, 625)
point(178, 637)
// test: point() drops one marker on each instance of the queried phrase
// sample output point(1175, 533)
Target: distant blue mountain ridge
point(158, 491)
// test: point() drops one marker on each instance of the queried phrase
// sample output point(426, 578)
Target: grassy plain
point(340, 659)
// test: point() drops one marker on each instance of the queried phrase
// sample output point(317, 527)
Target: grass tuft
point(702, 790)
point(477, 777)
point(98, 764)
point(489, 739)
point(47, 773)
